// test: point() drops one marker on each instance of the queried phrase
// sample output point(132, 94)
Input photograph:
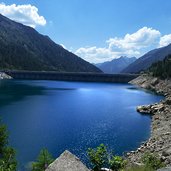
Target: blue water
point(72, 115)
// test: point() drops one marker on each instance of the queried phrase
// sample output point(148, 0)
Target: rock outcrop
point(67, 162)
point(150, 109)
point(4, 76)
point(160, 140)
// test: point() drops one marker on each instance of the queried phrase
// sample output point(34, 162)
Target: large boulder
point(150, 109)
point(4, 76)
point(67, 162)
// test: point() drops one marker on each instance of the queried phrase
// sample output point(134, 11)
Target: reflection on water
point(11, 91)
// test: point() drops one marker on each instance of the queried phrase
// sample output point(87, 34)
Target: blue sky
point(96, 29)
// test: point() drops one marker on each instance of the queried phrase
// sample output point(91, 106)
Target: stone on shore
point(4, 76)
point(165, 169)
point(67, 162)
point(144, 109)
point(150, 109)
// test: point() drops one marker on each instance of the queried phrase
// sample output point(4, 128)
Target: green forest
point(161, 69)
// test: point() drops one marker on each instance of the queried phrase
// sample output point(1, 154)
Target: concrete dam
point(71, 76)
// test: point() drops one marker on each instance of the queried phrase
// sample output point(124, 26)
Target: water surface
point(72, 115)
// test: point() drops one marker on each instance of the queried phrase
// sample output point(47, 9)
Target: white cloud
point(130, 45)
point(138, 40)
point(165, 40)
point(98, 55)
point(26, 14)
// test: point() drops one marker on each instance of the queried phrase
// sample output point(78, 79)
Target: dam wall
point(70, 76)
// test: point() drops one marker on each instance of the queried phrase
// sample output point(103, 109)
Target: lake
point(61, 115)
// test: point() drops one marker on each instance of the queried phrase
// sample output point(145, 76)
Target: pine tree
point(7, 154)
point(3, 137)
point(161, 69)
point(43, 161)
point(8, 161)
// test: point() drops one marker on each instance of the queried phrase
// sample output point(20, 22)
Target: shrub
point(116, 163)
point(3, 137)
point(8, 161)
point(152, 161)
point(98, 157)
point(43, 161)
point(7, 154)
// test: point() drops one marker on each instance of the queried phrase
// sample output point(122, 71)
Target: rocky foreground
point(160, 140)
point(67, 162)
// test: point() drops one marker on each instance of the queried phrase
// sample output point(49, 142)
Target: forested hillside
point(23, 48)
point(161, 68)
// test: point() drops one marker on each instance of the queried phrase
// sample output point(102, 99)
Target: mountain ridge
point(144, 62)
point(30, 50)
point(116, 65)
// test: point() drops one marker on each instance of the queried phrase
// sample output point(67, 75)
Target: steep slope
point(161, 69)
point(116, 65)
point(23, 48)
point(148, 59)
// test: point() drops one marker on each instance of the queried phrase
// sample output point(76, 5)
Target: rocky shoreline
point(4, 76)
point(160, 140)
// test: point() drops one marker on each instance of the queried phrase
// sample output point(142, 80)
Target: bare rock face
point(67, 162)
point(4, 76)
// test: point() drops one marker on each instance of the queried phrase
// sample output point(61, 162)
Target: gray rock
point(144, 109)
point(167, 152)
point(4, 76)
point(154, 81)
point(105, 169)
point(67, 162)
point(168, 101)
point(165, 169)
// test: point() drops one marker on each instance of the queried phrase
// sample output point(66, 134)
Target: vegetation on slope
point(100, 157)
point(161, 68)
point(7, 154)
point(43, 161)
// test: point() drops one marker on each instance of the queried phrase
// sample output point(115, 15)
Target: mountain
point(23, 48)
point(116, 65)
point(148, 59)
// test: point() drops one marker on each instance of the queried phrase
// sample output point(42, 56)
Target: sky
point(97, 30)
